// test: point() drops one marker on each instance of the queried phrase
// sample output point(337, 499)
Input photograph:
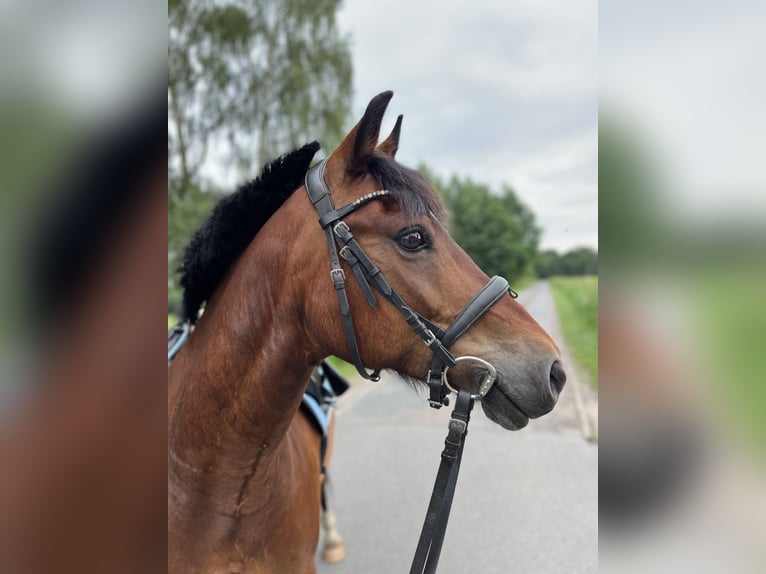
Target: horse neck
point(238, 383)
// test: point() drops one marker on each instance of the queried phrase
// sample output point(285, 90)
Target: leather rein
point(341, 243)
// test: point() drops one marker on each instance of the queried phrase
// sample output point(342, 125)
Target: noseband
point(341, 243)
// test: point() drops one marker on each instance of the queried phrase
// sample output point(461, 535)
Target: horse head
point(399, 224)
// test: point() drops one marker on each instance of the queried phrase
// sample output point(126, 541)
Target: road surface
point(526, 502)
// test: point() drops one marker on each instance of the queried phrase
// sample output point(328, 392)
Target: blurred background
point(682, 318)
point(500, 106)
point(83, 217)
point(500, 112)
point(517, 112)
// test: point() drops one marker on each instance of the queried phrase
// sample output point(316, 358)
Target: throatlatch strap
point(434, 528)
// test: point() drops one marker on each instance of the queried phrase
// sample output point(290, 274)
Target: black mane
point(237, 218)
point(234, 222)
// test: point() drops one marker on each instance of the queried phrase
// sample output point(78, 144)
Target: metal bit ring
point(487, 381)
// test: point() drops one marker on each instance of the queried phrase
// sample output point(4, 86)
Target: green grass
point(577, 304)
point(346, 369)
point(729, 321)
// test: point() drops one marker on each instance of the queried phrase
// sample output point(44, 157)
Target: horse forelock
point(408, 187)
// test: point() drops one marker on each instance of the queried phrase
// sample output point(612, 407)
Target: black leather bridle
point(341, 243)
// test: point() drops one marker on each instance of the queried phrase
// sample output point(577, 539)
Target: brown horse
point(242, 494)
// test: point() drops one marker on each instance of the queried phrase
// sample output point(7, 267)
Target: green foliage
point(495, 229)
point(629, 218)
point(254, 78)
point(579, 261)
point(347, 370)
point(185, 213)
point(262, 76)
point(577, 305)
point(547, 264)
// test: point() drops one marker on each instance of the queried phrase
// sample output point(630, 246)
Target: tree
point(548, 264)
point(578, 261)
point(496, 229)
point(184, 217)
point(253, 79)
point(629, 191)
point(260, 76)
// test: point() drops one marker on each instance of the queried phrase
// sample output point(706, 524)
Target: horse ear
point(390, 145)
point(359, 145)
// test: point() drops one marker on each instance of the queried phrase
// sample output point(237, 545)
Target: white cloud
point(504, 92)
point(690, 83)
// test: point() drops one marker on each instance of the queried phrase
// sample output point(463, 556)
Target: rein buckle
point(459, 425)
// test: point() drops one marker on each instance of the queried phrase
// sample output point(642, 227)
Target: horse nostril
point(558, 377)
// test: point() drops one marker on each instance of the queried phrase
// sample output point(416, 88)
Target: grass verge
point(346, 369)
point(728, 315)
point(577, 305)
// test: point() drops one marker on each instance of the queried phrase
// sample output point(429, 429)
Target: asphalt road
point(526, 501)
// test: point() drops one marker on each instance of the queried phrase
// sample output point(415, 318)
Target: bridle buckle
point(442, 400)
point(459, 425)
point(340, 229)
point(346, 253)
point(337, 275)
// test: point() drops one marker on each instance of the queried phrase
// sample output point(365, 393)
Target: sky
point(689, 85)
point(503, 92)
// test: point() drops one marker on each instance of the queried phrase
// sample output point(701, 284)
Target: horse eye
point(412, 240)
